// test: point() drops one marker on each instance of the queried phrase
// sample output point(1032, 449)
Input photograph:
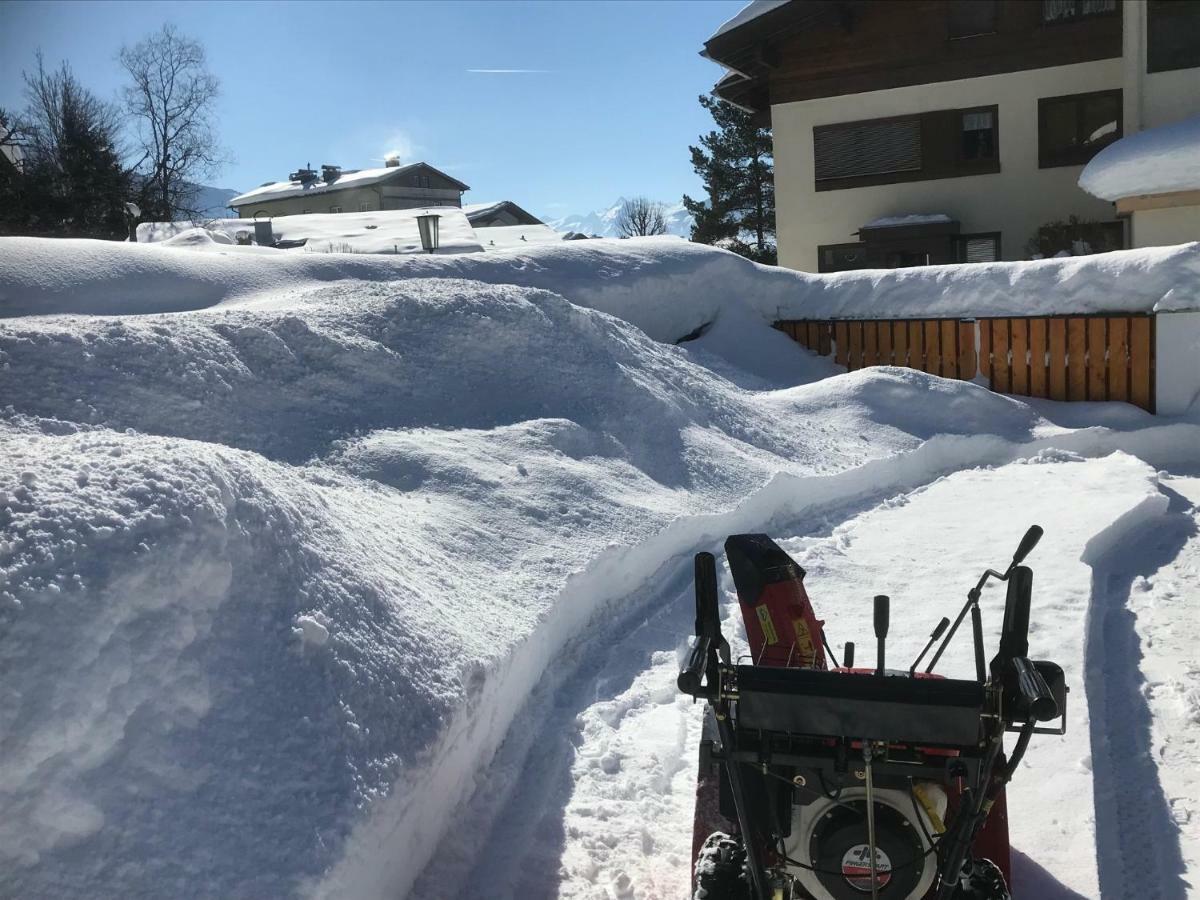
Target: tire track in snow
point(1137, 840)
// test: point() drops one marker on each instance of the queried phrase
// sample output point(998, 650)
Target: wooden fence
point(1058, 357)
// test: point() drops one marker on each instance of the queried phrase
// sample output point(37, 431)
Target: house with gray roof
point(359, 190)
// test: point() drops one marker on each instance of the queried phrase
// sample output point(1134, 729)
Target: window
point(1172, 35)
point(335, 209)
point(977, 248)
point(841, 257)
point(307, 211)
point(1073, 129)
point(944, 143)
point(364, 206)
point(971, 18)
point(420, 181)
point(1070, 10)
point(867, 148)
point(978, 134)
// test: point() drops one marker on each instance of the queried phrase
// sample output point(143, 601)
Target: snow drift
point(288, 540)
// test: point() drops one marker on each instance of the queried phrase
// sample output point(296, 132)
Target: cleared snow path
point(591, 795)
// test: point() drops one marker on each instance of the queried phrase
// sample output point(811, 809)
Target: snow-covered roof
point(353, 178)
point(1160, 160)
point(748, 13)
point(480, 212)
point(914, 219)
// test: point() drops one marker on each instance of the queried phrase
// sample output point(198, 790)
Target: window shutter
point(871, 148)
point(978, 250)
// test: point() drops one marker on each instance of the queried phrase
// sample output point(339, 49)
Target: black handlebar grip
point(848, 655)
point(693, 672)
point(708, 617)
point(1014, 635)
point(882, 605)
point(1028, 542)
point(1034, 698)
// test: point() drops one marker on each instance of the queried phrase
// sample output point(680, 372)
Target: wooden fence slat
point(1037, 358)
point(1019, 342)
point(885, 344)
point(810, 335)
point(1076, 359)
point(1118, 359)
point(1058, 359)
point(1097, 365)
point(967, 365)
point(1139, 351)
point(949, 345)
point(855, 360)
point(841, 337)
point(1001, 370)
point(900, 343)
point(933, 350)
point(870, 344)
point(916, 345)
point(823, 338)
point(985, 349)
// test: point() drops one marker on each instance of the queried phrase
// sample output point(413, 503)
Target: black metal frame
point(773, 722)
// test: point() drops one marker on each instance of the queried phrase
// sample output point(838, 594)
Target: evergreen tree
point(736, 165)
point(71, 183)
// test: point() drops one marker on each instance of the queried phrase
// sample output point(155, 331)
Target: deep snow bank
point(665, 286)
point(277, 574)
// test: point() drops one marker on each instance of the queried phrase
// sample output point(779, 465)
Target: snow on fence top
point(665, 286)
point(1155, 161)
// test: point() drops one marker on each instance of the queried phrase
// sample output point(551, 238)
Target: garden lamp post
point(428, 226)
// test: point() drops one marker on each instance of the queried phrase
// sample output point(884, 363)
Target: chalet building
point(913, 132)
point(334, 191)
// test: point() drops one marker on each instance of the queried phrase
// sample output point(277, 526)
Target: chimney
point(330, 174)
point(392, 162)
point(305, 176)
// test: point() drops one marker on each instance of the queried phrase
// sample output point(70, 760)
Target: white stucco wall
point(1152, 98)
point(1177, 365)
point(1165, 227)
point(1014, 201)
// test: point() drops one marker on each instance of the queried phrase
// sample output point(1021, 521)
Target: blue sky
point(610, 111)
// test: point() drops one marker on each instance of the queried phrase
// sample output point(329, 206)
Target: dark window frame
point(821, 248)
point(1079, 16)
point(1080, 155)
point(994, 109)
point(952, 165)
point(960, 243)
point(1154, 60)
point(950, 35)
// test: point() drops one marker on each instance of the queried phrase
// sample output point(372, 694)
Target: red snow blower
point(842, 783)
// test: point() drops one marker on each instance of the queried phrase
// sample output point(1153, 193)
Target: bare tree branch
point(640, 217)
point(172, 96)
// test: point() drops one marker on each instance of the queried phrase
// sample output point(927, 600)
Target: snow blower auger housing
point(844, 783)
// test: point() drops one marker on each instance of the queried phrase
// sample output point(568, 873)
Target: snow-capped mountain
point(603, 222)
point(212, 202)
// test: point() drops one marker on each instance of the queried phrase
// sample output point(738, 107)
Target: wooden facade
point(820, 48)
point(1108, 357)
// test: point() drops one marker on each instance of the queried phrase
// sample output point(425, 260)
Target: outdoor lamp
point(428, 226)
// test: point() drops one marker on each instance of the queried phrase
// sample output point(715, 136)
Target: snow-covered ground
point(341, 576)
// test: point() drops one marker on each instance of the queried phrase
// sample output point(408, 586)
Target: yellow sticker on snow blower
point(768, 627)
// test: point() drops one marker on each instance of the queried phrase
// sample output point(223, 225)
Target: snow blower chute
point(840, 783)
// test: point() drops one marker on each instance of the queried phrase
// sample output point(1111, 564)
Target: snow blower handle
point(709, 642)
point(1035, 699)
point(882, 610)
point(1032, 536)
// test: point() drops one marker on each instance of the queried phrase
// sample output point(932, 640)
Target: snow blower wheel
point(842, 783)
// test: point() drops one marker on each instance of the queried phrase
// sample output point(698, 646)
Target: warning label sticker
point(768, 627)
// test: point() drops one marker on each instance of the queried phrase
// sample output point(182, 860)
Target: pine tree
point(72, 183)
point(736, 165)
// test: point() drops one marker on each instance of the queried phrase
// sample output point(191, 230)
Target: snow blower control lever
point(823, 783)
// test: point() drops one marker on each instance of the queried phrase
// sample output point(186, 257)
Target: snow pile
point(514, 237)
point(296, 546)
point(748, 13)
point(1160, 160)
point(381, 231)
